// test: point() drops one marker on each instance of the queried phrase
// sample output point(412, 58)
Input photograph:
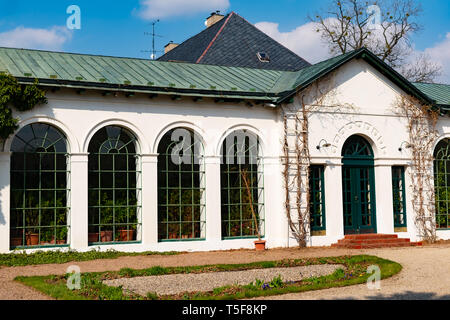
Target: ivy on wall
point(18, 96)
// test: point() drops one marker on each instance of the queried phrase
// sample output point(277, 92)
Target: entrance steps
point(369, 241)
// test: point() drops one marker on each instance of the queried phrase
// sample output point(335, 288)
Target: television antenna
point(154, 35)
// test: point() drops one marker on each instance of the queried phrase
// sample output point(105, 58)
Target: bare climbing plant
point(421, 124)
point(296, 152)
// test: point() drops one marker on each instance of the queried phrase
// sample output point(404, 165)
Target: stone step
point(368, 241)
point(372, 241)
point(371, 236)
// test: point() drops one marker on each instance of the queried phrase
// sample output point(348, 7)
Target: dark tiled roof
point(234, 42)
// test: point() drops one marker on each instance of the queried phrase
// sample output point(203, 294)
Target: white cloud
point(29, 38)
point(303, 40)
point(440, 54)
point(154, 9)
point(308, 44)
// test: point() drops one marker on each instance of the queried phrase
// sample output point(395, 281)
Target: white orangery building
point(93, 168)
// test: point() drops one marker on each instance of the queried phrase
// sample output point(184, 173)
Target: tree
point(384, 27)
point(19, 96)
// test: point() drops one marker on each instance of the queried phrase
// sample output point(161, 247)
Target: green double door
point(359, 200)
point(358, 186)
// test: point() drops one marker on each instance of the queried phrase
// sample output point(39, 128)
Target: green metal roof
point(146, 76)
point(90, 71)
point(438, 92)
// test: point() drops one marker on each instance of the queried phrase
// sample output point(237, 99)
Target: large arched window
point(114, 187)
point(442, 183)
point(39, 192)
point(242, 186)
point(181, 187)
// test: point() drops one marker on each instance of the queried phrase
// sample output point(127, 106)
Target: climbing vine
point(18, 96)
point(421, 125)
point(296, 152)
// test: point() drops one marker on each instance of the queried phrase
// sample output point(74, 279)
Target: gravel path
point(179, 283)
point(425, 270)
point(425, 276)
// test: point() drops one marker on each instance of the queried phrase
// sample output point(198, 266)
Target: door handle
point(356, 198)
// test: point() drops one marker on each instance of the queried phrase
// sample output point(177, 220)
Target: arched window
point(442, 183)
point(114, 187)
point(39, 192)
point(242, 186)
point(181, 187)
point(356, 147)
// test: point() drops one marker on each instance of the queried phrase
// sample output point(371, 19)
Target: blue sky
point(117, 27)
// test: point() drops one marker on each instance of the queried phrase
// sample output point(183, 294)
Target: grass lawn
point(20, 258)
point(92, 287)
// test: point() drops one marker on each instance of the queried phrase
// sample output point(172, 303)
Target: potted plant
point(32, 235)
point(106, 227)
point(125, 217)
point(16, 238)
point(93, 237)
point(260, 245)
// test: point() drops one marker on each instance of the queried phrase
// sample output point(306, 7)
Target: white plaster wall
point(372, 116)
point(371, 95)
point(79, 117)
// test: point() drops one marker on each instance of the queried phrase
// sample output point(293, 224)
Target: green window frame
point(114, 187)
point(181, 187)
point(399, 196)
point(40, 197)
point(242, 155)
point(442, 184)
point(317, 198)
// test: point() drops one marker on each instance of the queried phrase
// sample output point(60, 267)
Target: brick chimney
point(170, 46)
point(213, 18)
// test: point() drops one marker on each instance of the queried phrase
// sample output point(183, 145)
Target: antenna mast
point(153, 34)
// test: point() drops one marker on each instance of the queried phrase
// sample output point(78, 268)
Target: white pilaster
point(383, 195)
point(334, 213)
point(79, 201)
point(276, 224)
point(213, 201)
point(150, 199)
point(5, 162)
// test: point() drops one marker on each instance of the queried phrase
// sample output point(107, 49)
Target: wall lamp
point(325, 145)
point(407, 146)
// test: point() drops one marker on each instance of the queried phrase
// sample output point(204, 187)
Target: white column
point(276, 223)
point(383, 196)
point(213, 201)
point(150, 199)
point(79, 201)
point(5, 161)
point(334, 212)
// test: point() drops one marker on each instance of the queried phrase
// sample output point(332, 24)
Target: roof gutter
point(259, 96)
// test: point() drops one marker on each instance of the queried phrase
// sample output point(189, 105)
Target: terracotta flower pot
point(260, 245)
point(16, 242)
point(106, 236)
point(32, 239)
point(93, 237)
point(126, 235)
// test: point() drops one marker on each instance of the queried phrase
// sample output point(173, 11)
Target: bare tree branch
point(345, 27)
